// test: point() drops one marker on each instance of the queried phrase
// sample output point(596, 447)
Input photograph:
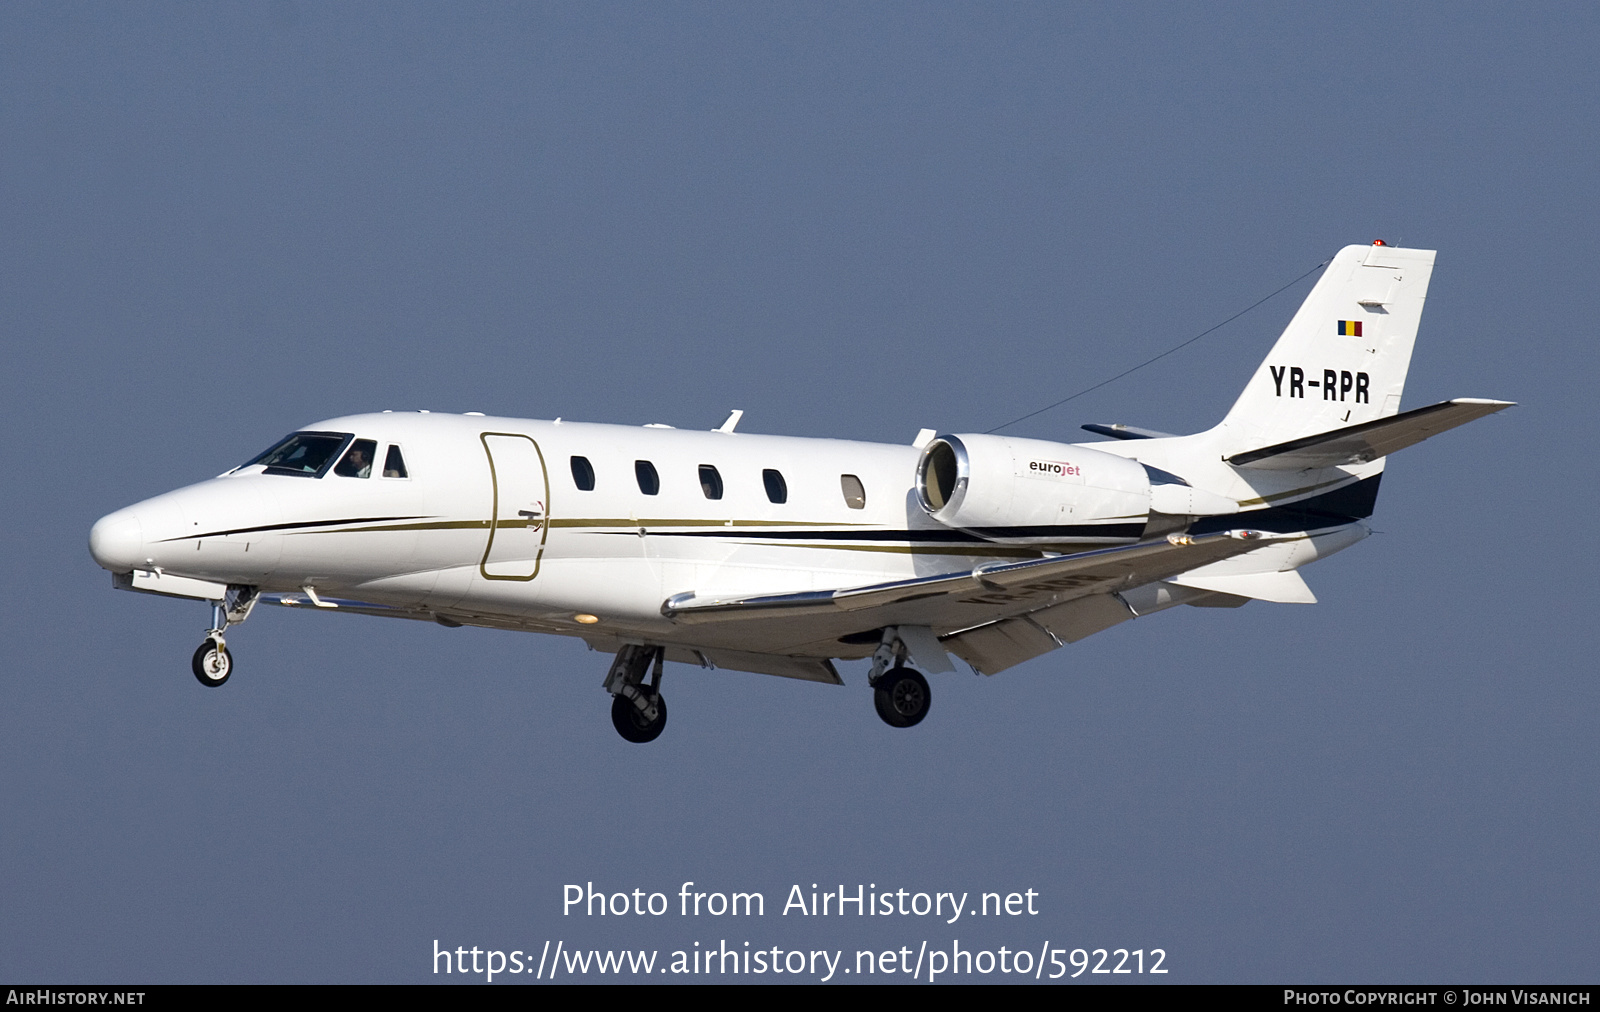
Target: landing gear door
point(521, 490)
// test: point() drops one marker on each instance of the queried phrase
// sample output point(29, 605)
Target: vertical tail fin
point(1343, 358)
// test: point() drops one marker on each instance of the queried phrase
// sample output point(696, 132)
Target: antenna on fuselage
point(733, 420)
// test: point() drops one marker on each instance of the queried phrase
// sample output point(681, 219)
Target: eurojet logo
point(1336, 385)
point(1055, 468)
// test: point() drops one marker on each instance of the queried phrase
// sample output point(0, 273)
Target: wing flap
point(1000, 645)
point(1359, 444)
point(992, 648)
point(1080, 619)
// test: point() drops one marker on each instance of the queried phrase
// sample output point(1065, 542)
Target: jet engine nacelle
point(1029, 490)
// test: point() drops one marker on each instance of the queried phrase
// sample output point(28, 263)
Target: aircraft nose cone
point(117, 542)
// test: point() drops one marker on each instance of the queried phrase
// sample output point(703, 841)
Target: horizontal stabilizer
point(1287, 587)
point(1359, 444)
point(1124, 431)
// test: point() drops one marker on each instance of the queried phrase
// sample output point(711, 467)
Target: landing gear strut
point(637, 710)
point(900, 694)
point(212, 663)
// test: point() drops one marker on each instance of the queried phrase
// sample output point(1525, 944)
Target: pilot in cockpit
point(358, 462)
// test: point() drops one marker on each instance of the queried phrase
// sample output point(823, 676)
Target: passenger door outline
point(515, 510)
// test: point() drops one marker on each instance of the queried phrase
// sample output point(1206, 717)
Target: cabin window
point(303, 454)
point(710, 482)
point(777, 488)
point(649, 481)
point(357, 462)
point(855, 494)
point(583, 474)
point(394, 465)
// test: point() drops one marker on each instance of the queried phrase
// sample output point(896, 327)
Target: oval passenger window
point(649, 481)
point(855, 494)
point(710, 482)
point(583, 474)
point(777, 488)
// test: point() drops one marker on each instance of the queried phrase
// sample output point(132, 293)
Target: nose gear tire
point(212, 666)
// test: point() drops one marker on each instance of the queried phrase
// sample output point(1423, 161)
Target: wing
point(994, 616)
point(1359, 444)
point(1059, 599)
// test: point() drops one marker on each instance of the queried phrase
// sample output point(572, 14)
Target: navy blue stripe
point(1330, 509)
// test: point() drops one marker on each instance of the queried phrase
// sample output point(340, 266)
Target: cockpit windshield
point(306, 454)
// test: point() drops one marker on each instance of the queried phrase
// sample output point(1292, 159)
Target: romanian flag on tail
point(1349, 328)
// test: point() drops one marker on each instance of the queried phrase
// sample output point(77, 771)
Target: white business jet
point(777, 555)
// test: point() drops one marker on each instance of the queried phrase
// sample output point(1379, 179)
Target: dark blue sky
point(218, 223)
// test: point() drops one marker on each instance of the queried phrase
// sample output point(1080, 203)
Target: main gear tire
point(632, 725)
point(902, 697)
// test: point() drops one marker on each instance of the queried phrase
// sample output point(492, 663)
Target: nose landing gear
point(637, 710)
point(212, 663)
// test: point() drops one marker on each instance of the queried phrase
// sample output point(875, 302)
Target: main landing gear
point(639, 713)
point(212, 663)
point(900, 694)
point(637, 710)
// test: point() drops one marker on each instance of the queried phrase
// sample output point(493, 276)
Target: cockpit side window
point(394, 465)
point(303, 454)
point(357, 462)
